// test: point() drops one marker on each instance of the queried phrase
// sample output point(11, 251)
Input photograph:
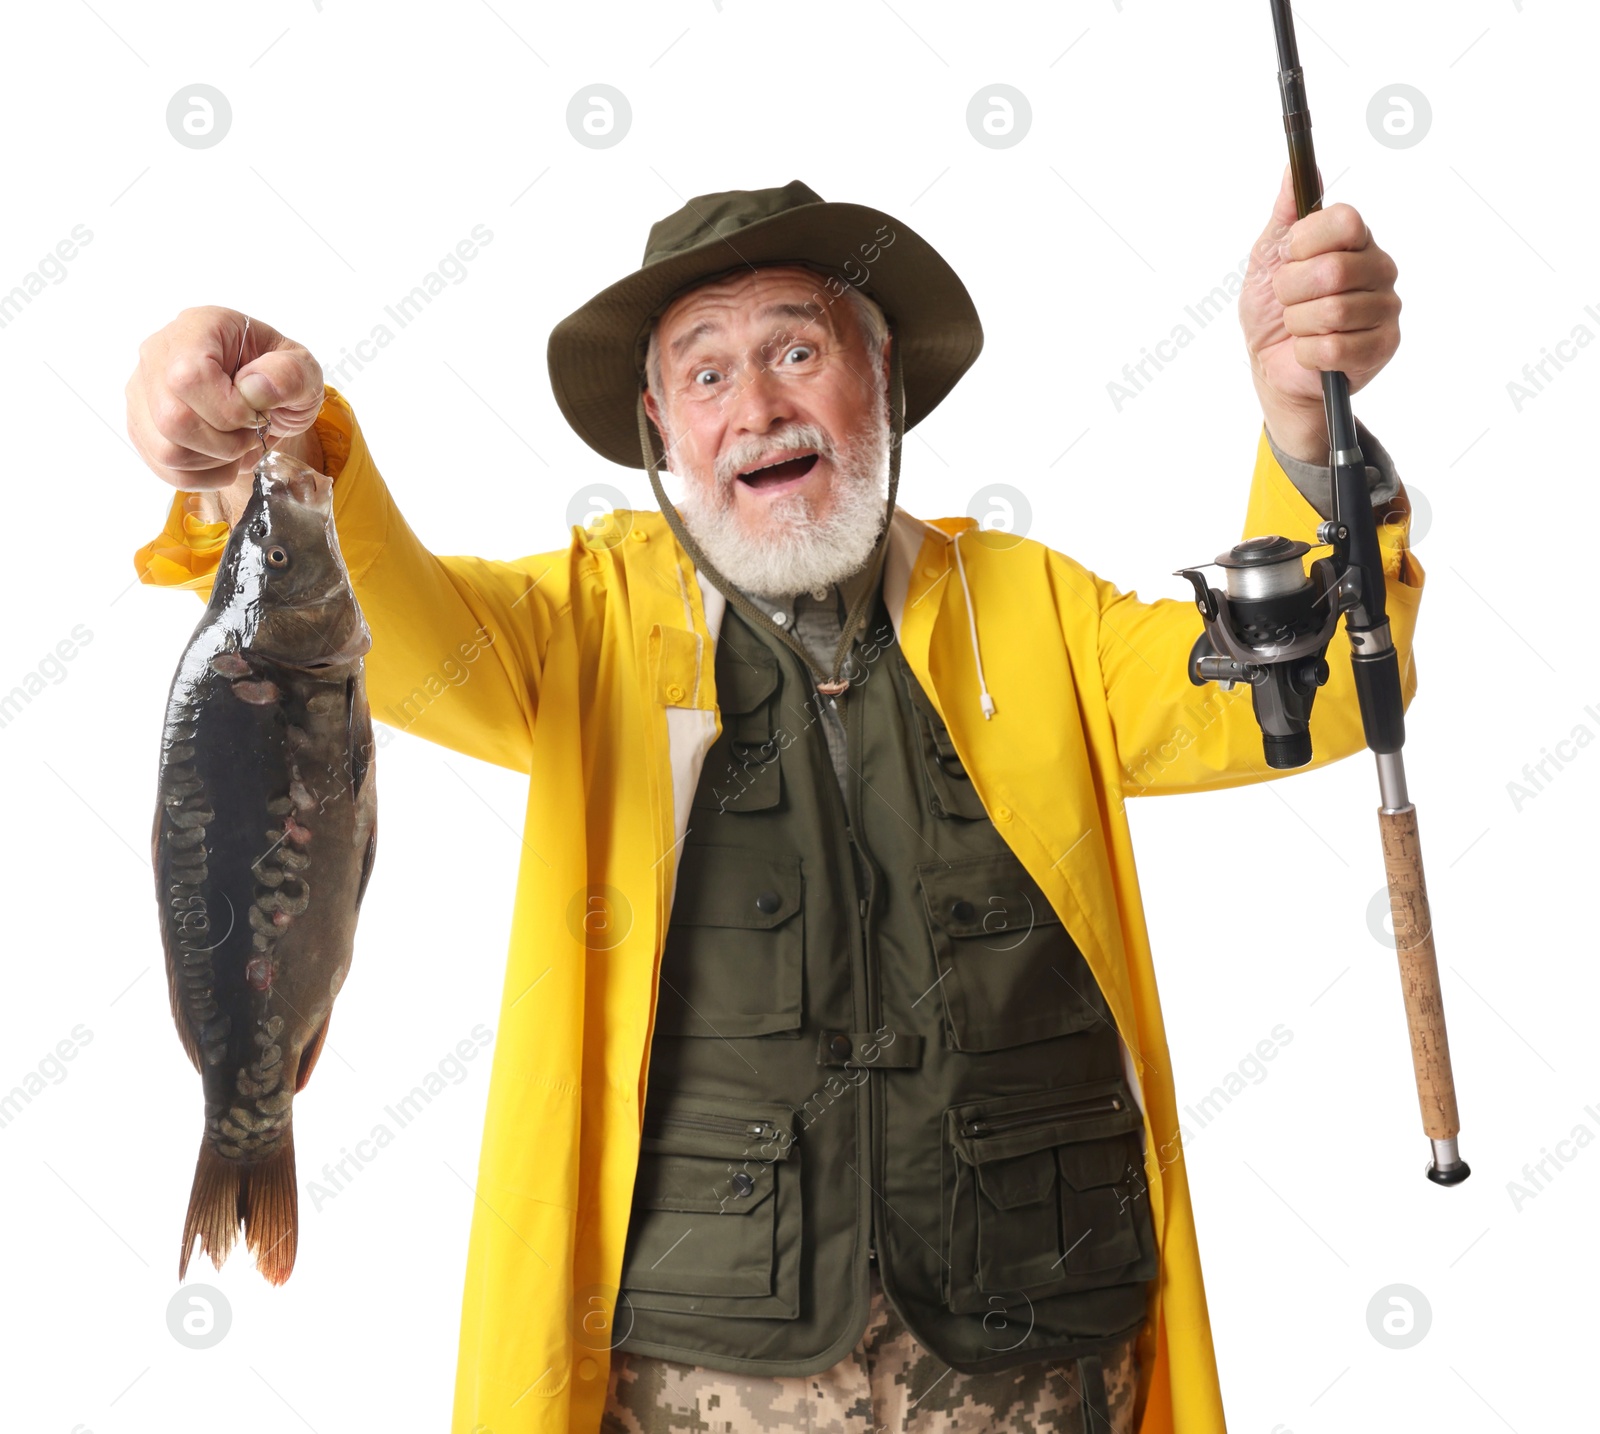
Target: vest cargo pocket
point(715, 1228)
point(743, 770)
point(1048, 1197)
point(1008, 971)
point(734, 956)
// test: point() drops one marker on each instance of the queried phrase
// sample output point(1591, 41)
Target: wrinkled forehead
point(785, 295)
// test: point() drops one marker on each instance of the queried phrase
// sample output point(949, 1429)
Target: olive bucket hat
point(597, 353)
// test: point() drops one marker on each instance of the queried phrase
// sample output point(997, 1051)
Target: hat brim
point(596, 353)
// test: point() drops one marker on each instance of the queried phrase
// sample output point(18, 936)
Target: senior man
point(878, 1130)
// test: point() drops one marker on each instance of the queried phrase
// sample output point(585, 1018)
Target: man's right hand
point(194, 421)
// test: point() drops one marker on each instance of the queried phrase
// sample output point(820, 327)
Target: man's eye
point(707, 376)
point(799, 353)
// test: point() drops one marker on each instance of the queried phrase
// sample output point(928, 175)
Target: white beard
point(798, 552)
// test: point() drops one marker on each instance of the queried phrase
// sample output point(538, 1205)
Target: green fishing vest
point(874, 1040)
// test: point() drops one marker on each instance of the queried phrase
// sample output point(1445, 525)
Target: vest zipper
point(723, 1125)
point(979, 1126)
point(863, 879)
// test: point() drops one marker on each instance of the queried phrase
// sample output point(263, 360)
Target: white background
point(365, 143)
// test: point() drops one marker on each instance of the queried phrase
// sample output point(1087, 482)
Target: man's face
point(772, 406)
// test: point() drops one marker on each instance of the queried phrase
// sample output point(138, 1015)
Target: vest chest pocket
point(734, 957)
point(715, 1228)
point(1007, 969)
point(1048, 1197)
point(950, 790)
point(743, 771)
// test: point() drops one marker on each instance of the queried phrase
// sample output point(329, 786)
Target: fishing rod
point(1271, 627)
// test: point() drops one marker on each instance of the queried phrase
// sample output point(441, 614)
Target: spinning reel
point(1270, 628)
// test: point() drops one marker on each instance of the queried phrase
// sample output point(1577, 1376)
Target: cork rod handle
point(1419, 972)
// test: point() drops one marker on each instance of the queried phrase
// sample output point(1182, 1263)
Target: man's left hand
point(1318, 294)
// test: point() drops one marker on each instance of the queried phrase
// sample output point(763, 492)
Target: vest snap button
point(962, 910)
point(639, 535)
point(768, 901)
point(840, 1047)
point(674, 693)
point(742, 1185)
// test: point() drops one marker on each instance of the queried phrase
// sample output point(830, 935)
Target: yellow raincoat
point(590, 668)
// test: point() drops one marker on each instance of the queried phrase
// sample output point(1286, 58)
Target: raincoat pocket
point(734, 957)
point(1008, 971)
point(1048, 1197)
point(715, 1227)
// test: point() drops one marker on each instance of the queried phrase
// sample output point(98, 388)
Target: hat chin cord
point(827, 685)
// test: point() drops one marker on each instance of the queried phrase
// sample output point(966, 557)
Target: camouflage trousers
point(888, 1384)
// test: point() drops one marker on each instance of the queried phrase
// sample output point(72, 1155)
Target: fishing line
point(263, 423)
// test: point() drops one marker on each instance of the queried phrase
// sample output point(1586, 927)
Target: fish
point(263, 843)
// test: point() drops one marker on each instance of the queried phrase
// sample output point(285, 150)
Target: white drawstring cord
point(984, 699)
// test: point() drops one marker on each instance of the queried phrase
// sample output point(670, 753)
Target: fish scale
point(264, 836)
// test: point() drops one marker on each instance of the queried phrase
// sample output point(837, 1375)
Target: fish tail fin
point(213, 1208)
point(271, 1211)
point(260, 1196)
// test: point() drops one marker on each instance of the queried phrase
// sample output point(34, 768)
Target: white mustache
point(791, 441)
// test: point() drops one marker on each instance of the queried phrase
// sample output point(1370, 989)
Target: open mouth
point(775, 475)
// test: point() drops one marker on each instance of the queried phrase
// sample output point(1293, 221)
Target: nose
point(761, 403)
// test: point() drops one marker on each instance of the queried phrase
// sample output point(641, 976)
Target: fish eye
point(277, 556)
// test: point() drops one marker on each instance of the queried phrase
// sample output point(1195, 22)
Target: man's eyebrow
point(700, 330)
